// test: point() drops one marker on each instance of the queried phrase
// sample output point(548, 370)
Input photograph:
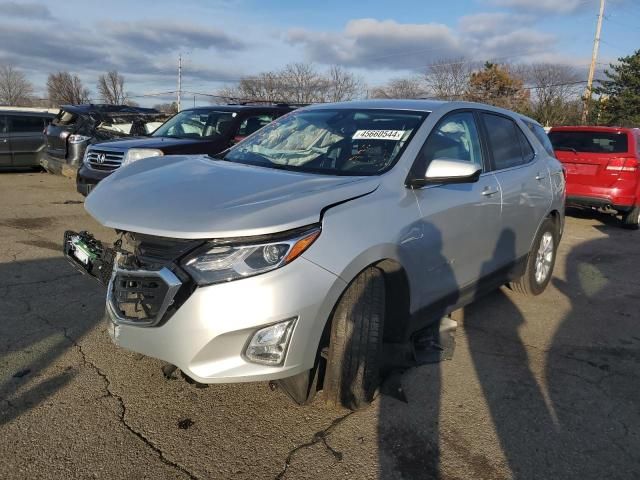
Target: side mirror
point(446, 170)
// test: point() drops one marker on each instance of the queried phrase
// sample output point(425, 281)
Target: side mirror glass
point(448, 170)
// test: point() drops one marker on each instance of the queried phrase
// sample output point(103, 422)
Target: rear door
point(5, 144)
point(63, 125)
point(592, 158)
point(27, 139)
point(525, 184)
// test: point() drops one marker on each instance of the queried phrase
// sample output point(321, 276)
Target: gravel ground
point(542, 387)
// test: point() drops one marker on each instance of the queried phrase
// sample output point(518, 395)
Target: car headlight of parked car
point(220, 261)
point(134, 154)
point(74, 139)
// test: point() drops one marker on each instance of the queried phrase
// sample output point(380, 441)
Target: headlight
point(134, 154)
point(78, 138)
point(223, 262)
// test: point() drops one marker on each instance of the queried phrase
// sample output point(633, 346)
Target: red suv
point(603, 168)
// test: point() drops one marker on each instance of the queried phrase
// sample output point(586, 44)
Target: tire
point(631, 219)
point(538, 275)
point(353, 362)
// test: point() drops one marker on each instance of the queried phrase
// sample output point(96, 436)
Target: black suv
point(21, 139)
point(77, 126)
point(204, 130)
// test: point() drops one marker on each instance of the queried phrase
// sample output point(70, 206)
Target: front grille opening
point(104, 159)
point(139, 299)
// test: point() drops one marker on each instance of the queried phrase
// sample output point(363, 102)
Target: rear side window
point(3, 125)
point(590, 142)
point(542, 137)
point(26, 124)
point(507, 143)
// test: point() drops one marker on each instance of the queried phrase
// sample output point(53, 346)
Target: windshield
point(196, 124)
point(589, 142)
point(333, 142)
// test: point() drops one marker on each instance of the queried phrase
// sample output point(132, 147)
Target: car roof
point(104, 108)
point(47, 112)
point(592, 128)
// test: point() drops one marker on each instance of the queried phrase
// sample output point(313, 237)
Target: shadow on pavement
point(44, 307)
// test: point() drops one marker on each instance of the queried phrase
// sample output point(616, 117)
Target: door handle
point(488, 191)
point(540, 177)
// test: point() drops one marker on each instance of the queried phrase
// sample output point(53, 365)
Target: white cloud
point(546, 6)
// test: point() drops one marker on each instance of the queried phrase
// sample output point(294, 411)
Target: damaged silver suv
point(337, 230)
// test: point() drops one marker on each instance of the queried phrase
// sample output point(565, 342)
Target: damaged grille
point(104, 159)
point(148, 286)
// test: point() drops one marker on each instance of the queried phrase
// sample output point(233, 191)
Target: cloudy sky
point(222, 40)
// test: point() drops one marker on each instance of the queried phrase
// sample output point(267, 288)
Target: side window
point(505, 141)
point(253, 124)
point(455, 137)
point(528, 153)
point(542, 137)
point(3, 125)
point(26, 124)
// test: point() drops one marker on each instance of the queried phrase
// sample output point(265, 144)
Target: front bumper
point(207, 336)
point(87, 178)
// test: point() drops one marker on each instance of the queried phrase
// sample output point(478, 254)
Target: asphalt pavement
point(538, 388)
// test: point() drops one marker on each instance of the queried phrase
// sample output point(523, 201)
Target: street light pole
point(594, 55)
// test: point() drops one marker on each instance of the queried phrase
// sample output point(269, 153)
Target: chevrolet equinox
point(296, 254)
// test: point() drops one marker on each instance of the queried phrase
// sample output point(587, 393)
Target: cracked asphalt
point(544, 387)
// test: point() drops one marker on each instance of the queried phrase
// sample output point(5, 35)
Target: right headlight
point(220, 261)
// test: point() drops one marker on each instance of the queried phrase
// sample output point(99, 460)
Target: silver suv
point(298, 252)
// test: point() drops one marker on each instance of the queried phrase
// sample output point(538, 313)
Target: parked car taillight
point(623, 165)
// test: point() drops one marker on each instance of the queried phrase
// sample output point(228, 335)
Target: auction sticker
point(379, 135)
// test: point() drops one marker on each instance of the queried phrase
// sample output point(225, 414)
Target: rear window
point(590, 142)
point(65, 118)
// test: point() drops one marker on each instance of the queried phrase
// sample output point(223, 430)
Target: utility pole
point(179, 79)
point(594, 56)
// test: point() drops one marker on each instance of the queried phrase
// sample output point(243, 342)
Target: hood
point(160, 143)
point(196, 197)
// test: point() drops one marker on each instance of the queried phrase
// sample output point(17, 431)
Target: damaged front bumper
point(159, 312)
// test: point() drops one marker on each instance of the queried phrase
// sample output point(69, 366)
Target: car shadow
point(45, 308)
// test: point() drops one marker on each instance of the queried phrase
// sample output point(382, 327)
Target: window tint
point(253, 124)
point(542, 137)
point(3, 125)
point(26, 124)
point(590, 142)
point(456, 137)
point(505, 142)
point(527, 150)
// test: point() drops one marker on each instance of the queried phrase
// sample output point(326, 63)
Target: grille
point(102, 159)
point(153, 252)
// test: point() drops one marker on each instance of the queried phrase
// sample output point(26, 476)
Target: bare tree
point(449, 79)
point(65, 88)
point(111, 88)
point(343, 85)
point(15, 89)
point(555, 93)
point(304, 84)
point(170, 108)
point(409, 87)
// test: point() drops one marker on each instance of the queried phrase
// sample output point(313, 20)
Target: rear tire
point(631, 219)
point(540, 261)
point(353, 362)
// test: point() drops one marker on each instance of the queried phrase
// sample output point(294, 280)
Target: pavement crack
point(37, 282)
point(318, 437)
point(123, 408)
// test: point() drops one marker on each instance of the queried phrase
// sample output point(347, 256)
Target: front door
point(5, 143)
point(460, 222)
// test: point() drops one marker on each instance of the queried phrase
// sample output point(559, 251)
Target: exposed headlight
point(78, 138)
point(223, 262)
point(134, 154)
point(269, 345)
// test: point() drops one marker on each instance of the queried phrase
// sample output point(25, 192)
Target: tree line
point(550, 93)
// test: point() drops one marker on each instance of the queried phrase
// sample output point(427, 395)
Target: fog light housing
point(269, 344)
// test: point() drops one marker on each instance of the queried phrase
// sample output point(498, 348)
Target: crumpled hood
point(198, 197)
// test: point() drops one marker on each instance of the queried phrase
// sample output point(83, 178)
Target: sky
point(223, 40)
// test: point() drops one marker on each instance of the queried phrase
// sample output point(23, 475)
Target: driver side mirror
point(448, 170)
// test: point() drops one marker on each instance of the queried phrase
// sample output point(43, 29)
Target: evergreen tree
point(620, 95)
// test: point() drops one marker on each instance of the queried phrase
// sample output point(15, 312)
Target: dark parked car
point(77, 126)
point(205, 130)
point(21, 138)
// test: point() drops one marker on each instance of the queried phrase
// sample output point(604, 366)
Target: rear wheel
point(540, 262)
point(353, 362)
point(631, 219)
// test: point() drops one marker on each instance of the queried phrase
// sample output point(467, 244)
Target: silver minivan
point(298, 253)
